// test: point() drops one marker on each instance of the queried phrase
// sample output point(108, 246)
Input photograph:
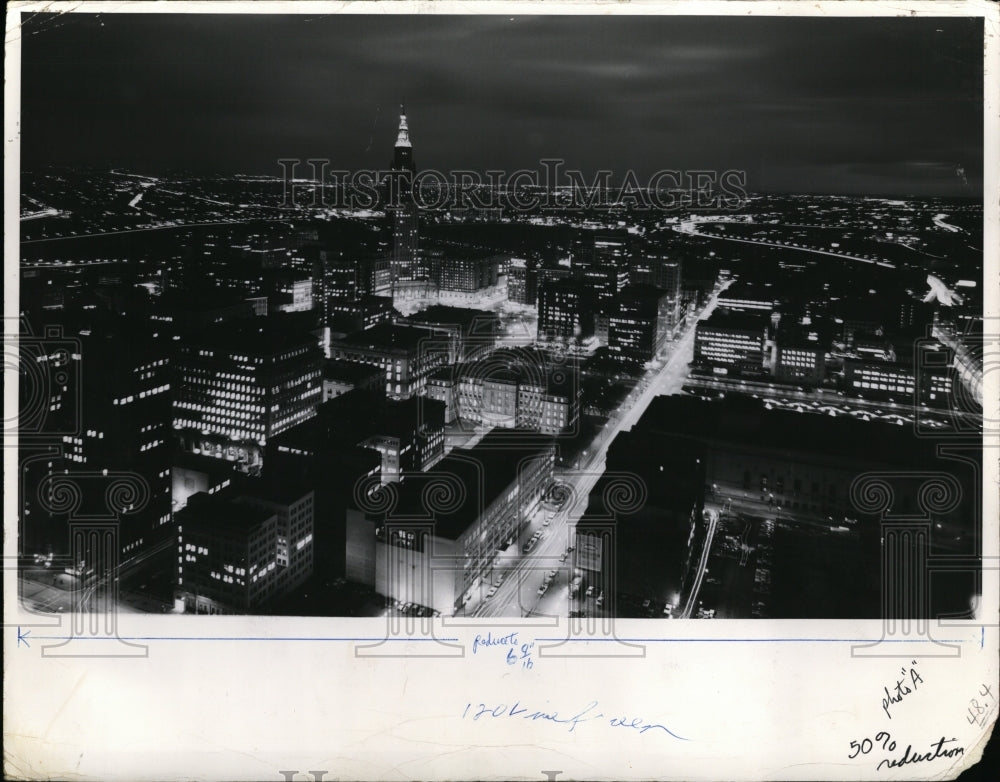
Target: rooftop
point(385, 336)
point(350, 371)
point(220, 513)
point(744, 421)
point(723, 318)
point(471, 320)
point(485, 471)
point(261, 336)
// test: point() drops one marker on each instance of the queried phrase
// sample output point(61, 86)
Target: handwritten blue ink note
point(480, 642)
point(570, 719)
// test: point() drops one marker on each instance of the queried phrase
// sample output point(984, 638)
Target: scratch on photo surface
point(65, 703)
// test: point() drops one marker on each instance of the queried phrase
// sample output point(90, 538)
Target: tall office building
point(656, 268)
point(240, 384)
point(566, 310)
point(522, 281)
point(404, 255)
point(499, 484)
point(731, 343)
point(112, 382)
point(639, 324)
point(241, 550)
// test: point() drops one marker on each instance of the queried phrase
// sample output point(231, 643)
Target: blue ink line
point(213, 638)
point(760, 640)
point(982, 636)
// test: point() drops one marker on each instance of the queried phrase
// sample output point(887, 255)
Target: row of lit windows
point(216, 383)
point(727, 356)
point(805, 363)
point(160, 363)
point(883, 387)
point(263, 571)
point(882, 376)
point(224, 414)
point(728, 338)
point(211, 374)
point(142, 395)
point(227, 579)
point(227, 404)
point(299, 545)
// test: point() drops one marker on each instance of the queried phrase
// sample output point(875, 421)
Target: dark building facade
point(406, 355)
point(731, 343)
point(804, 470)
point(109, 393)
point(241, 550)
point(640, 324)
point(345, 316)
point(440, 564)
point(522, 281)
point(566, 311)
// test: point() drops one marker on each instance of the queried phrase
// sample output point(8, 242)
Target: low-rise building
point(339, 377)
point(731, 343)
point(406, 355)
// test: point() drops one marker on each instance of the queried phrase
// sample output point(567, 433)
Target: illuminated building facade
point(468, 272)
point(799, 362)
point(240, 552)
point(639, 324)
point(345, 316)
point(731, 343)
point(108, 394)
point(339, 377)
point(522, 281)
point(504, 478)
point(407, 356)
point(240, 384)
point(405, 254)
point(566, 311)
point(740, 297)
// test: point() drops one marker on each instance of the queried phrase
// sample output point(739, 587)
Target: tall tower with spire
point(403, 155)
point(404, 260)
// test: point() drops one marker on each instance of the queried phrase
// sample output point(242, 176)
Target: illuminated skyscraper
point(114, 386)
point(404, 256)
point(242, 383)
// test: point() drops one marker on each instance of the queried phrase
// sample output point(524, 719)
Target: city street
point(517, 595)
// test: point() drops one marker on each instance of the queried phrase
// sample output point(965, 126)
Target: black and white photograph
point(480, 319)
point(631, 317)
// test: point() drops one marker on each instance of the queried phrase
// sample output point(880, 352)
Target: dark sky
point(880, 106)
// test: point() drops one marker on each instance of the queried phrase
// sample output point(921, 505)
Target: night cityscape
point(740, 376)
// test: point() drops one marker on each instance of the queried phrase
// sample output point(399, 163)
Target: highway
point(688, 228)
